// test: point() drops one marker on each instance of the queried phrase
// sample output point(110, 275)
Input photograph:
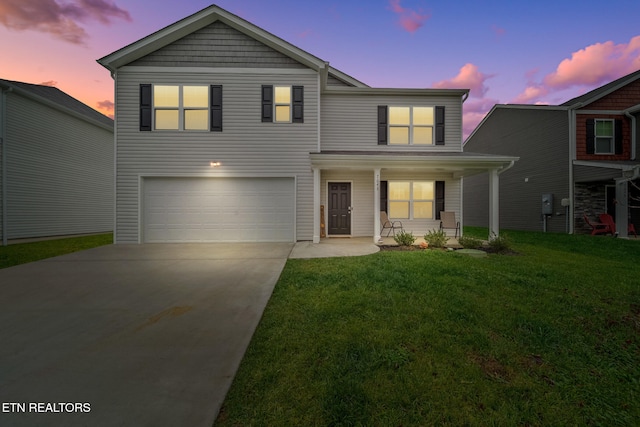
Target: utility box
point(547, 204)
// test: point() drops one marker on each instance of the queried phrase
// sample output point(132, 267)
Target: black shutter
point(216, 108)
point(267, 103)
point(382, 125)
point(145, 107)
point(618, 136)
point(591, 136)
point(439, 126)
point(298, 104)
point(383, 196)
point(439, 198)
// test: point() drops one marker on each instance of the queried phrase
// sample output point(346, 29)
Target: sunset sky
point(504, 51)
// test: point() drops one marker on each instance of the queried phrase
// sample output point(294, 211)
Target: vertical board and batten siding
point(59, 172)
point(349, 121)
point(362, 193)
point(540, 137)
point(245, 148)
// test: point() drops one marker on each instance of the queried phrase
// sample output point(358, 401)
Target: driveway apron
point(130, 335)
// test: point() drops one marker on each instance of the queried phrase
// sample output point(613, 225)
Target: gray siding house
point(225, 132)
point(56, 169)
point(578, 158)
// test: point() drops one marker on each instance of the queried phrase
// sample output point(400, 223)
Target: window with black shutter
point(282, 104)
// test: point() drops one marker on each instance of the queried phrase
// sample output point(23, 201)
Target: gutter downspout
point(500, 171)
point(3, 165)
point(571, 112)
point(634, 136)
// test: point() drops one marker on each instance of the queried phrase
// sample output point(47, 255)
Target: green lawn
point(550, 336)
point(22, 253)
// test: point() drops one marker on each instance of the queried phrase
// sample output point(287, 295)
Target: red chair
point(597, 227)
point(608, 219)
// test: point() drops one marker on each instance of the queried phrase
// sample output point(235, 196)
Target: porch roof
point(457, 163)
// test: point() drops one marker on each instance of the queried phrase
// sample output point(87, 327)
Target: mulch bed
point(413, 248)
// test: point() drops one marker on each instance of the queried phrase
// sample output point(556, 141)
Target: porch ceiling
point(457, 163)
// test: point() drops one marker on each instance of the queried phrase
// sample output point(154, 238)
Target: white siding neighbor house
point(225, 132)
point(56, 168)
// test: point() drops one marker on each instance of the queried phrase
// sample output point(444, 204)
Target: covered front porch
point(353, 187)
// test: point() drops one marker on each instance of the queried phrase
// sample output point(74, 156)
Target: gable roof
point(602, 91)
point(56, 98)
point(205, 17)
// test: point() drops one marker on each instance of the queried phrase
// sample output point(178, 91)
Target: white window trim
point(410, 126)
point(181, 108)
point(282, 104)
point(412, 200)
point(612, 149)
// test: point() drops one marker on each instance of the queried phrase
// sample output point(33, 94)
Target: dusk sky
point(504, 51)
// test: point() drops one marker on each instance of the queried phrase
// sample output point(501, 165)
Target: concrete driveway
point(130, 335)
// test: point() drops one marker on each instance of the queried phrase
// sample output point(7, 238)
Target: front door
point(339, 208)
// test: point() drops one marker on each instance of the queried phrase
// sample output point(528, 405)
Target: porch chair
point(386, 224)
point(597, 227)
point(448, 221)
point(608, 219)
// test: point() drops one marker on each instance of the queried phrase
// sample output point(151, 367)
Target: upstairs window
point(411, 125)
point(604, 134)
point(282, 104)
point(181, 107)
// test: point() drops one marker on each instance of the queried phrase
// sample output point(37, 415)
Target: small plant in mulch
point(500, 244)
point(436, 239)
point(470, 242)
point(404, 238)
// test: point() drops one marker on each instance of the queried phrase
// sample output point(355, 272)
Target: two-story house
point(578, 158)
point(225, 132)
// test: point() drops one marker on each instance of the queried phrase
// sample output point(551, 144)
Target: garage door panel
point(219, 209)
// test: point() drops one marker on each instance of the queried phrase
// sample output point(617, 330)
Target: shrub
point(404, 238)
point(500, 243)
point(436, 239)
point(470, 242)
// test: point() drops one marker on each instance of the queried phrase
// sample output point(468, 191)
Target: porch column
point(494, 204)
point(376, 206)
point(316, 205)
point(622, 208)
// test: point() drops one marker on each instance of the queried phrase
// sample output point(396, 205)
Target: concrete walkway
point(335, 247)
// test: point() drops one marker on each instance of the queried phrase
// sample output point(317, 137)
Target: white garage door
point(219, 209)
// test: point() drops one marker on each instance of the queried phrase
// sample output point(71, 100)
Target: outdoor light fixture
point(214, 164)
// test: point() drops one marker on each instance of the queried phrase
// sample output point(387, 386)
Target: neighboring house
point(56, 169)
point(225, 132)
point(581, 156)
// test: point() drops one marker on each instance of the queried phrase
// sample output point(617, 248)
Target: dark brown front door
point(339, 208)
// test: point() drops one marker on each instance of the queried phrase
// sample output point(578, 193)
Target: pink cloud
point(532, 93)
point(596, 64)
point(469, 77)
point(58, 19)
point(51, 83)
point(498, 31)
point(409, 19)
point(106, 107)
point(593, 66)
